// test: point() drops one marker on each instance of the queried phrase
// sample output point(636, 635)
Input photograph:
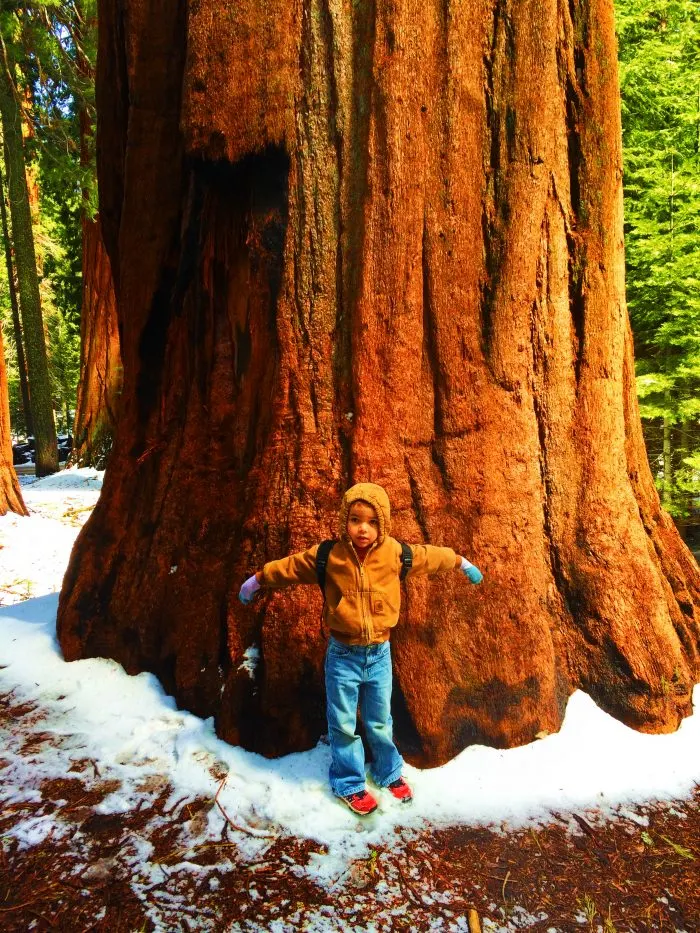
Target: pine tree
point(659, 43)
point(25, 258)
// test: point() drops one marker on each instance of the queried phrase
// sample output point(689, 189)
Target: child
point(363, 595)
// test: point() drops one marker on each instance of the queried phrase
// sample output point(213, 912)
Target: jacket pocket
point(346, 616)
point(384, 606)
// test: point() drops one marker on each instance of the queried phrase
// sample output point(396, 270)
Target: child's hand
point(248, 590)
point(469, 570)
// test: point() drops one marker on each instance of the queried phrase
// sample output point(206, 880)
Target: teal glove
point(470, 571)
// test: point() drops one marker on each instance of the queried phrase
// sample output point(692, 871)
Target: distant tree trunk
point(377, 241)
point(27, 280)
point(100, 361)
point(19, 342)
point(667, 490)
point(10, 493)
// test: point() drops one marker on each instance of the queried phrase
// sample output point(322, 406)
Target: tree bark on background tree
point(100, 362)
point(10, 492)
point(377, 242)
point(46, 451)
point(14, 306)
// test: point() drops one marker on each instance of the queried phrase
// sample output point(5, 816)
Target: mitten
point(248, 590)
point(470, 571)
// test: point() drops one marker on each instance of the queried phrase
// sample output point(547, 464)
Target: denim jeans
point(355, 673)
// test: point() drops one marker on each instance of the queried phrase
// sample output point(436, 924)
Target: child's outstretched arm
point(430, 559)
point(297, 568)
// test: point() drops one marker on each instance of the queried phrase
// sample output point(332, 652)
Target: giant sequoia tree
point(100, 363)
point(377, 241)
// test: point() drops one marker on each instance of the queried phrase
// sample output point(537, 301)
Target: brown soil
point(636, 873)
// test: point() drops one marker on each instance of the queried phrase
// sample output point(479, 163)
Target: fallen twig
point(241, 829)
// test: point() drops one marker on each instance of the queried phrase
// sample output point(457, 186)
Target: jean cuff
point(347, 793)
point(394, 776)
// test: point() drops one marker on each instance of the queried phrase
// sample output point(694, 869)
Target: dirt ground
point(636, 873)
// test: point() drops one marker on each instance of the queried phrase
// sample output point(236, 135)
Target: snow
point(136, 735)
point(252, 658)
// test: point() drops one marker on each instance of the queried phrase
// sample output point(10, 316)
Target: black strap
point(406, 560)
point(322, 554)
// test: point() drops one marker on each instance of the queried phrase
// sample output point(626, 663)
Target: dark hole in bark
point(573, 141)
point(245, 205)
point(253, 195)
point(577, 303)
point(405, 733)
point(152, 345)
point(510, 132)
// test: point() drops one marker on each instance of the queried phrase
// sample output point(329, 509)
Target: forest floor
point(636, 873)
point(150, 823)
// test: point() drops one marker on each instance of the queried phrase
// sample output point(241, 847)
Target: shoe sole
point(359, 812)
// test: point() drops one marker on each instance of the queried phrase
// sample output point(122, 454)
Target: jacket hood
point(377, 498)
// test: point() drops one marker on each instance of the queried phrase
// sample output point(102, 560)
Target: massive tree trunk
point(10, 493)
point(14, 307)
point(383, 242)
point(100, 361)
point(46, 453)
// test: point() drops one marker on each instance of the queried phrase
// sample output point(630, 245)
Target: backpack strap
point(406, 560)
point(322, 554)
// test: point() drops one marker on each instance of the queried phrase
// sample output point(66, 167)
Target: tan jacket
point(362, 599)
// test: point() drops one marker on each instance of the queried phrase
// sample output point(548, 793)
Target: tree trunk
point(10, 492)
point(667, 490)
point(377, 242)
point(19, 342)
point(27, 279)
point(100, 362)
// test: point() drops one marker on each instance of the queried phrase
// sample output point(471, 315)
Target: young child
point(363, 596)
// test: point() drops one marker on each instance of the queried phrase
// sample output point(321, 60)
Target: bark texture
point(10, 492)
point(14, 307)
point(377, 242)
point(46, 453)
point(100, 360)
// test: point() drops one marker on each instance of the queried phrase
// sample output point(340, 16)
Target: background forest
point(49, 50)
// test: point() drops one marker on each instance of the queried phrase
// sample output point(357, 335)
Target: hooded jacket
point(362, 598)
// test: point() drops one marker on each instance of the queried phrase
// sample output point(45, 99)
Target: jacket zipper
point(365, 627)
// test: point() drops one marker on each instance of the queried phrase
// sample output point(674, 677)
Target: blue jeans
point(355, 673)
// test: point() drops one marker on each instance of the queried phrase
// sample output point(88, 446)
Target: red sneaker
point(401, 791)
point(362, 803)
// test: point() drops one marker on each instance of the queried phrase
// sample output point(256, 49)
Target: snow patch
point(251, 659)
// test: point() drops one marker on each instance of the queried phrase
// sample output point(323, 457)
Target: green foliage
point(53, 44)
point(659, 44)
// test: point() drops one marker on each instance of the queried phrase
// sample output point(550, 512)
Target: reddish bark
point(14, 307)
point(369, 242)
point(100, 361)
point(10, 492)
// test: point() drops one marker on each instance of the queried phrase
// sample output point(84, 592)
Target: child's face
point(363, 524)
